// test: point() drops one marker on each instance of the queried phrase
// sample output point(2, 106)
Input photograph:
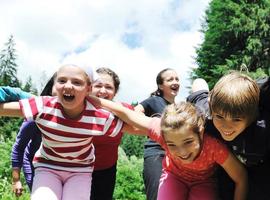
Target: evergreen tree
point(8, 66)
point(236, 33)
point(29, 86)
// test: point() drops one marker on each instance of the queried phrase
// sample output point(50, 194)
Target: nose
point(68, 85)
point(183, 152)
point(102, 90)
point(227, 125)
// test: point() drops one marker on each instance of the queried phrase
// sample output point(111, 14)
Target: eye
point(169, 144)
point(217, 116)
point(188, 142)
point(109, 87)
point(77, 82)
point(61, 80)
point(237, 119)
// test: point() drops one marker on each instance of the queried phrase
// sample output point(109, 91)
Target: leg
point(205, 190)
point(103, 182)
point(151, 175)
point(77, 186)
point(172, 188)
point(46, 185)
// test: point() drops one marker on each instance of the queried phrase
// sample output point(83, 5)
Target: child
point(236, 118)
point(191, 155)
point(168, 86)
point(27, 141)
point(64, 162)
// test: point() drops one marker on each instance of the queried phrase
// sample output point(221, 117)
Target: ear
point(89, 89)
point(160, 87)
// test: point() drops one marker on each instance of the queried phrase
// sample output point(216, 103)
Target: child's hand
point(17, 188)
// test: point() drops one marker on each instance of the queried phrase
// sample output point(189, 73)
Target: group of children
point(197, 137)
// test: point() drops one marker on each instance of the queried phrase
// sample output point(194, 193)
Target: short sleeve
point(154, 131)
point(221, 152)
point(33, 106)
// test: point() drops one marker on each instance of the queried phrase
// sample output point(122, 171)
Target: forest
point(236, 37)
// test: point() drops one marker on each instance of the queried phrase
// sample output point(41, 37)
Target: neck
point(169, 99)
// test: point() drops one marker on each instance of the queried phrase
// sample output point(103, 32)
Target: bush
point(129, 181)
point(133, 145)
point(5, 171)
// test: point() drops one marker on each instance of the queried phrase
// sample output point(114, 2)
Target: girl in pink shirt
point(191, 155)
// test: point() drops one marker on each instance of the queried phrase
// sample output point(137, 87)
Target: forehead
point(169, 73)
point(180, 134)
point(71, 71)
point(104, 79)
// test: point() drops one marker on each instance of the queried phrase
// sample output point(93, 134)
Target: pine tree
point(236, 33)
point(8, 66)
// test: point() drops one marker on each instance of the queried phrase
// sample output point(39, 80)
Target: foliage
point(133, 145)
point(8, 66)
point(28, 87)
point(5, 171)
point(8, 126)
point(129, 181)
point(235, 33)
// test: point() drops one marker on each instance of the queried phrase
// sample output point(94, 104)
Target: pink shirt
point(213, 153)
point(67, 143)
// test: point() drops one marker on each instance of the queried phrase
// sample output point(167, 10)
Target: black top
point(153, 107)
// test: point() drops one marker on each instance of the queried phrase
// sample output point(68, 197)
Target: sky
point(136, 39)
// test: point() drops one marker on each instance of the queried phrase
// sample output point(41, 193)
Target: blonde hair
point(235, 95)
point(183, 113)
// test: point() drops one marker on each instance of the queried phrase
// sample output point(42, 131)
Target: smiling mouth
point(185, 157)
point(227, 133)
point(68, 97)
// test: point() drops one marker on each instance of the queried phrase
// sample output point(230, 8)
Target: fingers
point(17, 188)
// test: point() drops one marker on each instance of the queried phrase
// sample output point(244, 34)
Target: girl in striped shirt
point(64, 162)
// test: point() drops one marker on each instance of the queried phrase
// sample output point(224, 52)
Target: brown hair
point(182, 113)
point(159, 81)
point(235, 95)
point(111, 73)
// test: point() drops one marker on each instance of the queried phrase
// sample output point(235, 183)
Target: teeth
point(68, 95)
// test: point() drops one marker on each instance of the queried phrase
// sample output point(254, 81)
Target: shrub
point(129, 181)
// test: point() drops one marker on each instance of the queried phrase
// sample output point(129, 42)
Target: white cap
point(91, 72)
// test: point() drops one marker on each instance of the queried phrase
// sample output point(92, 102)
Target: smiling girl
point(191, 155)
point(65, 160)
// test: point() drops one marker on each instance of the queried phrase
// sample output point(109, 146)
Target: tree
point(8, 66)
point(236, 33)
point(29, 86)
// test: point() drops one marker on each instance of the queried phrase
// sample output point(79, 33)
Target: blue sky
point(136, 39)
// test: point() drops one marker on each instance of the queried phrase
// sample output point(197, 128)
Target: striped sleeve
point(112, 126)
point(31, 107)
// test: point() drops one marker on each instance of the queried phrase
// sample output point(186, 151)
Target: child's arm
point(133, 130)
point(131, 117)
point(238, 174)
point(8, 94)
point(11, 109)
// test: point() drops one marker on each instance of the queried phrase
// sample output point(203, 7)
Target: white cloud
point(49, 33)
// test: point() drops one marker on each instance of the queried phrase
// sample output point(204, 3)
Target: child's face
point(184, 144)
point(170, 86)
point(229, 127)
point(71, 88)
point(104, 87)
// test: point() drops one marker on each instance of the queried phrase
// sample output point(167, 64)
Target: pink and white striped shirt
point(67, 143)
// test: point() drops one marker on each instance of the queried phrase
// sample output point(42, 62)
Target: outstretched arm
point(238, 174)
point(131, 117)
point(11, 109)
point(8, 94)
